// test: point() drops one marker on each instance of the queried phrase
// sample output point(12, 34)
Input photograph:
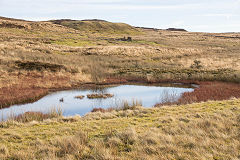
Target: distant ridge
point(61, 20)
point(87, 25)
point(13, 19)
point(149, 28)
point(176, 29)
point(97, 20)
point(157, 29)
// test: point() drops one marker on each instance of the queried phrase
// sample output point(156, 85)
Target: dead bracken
point(95, 96)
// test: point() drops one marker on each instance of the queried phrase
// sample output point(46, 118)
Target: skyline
point(204, 16)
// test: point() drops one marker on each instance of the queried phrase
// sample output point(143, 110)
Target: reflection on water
point(148, 95)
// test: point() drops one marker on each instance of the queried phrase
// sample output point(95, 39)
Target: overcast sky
point(193, 15)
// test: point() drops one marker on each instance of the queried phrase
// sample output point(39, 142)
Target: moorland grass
point(173, 59)
point(207, 130)
point(198, 131)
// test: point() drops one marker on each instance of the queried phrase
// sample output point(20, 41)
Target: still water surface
point(148, 95)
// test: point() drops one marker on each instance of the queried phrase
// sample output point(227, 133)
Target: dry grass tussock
point(198, 131)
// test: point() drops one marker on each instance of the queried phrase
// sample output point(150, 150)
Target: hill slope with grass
point(207, 130)
point(99, 26)
point(56, 56)
point(39, 57)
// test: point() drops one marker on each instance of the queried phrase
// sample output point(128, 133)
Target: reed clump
point(102, 110)
point(128, 105)
point(120, 106)
point(37, 116)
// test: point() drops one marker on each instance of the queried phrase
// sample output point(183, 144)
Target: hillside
point(99, 26)
point(28, 26)
point(37, 58)
point(53, 56)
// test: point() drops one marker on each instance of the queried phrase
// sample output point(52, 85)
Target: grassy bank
point(207, 130)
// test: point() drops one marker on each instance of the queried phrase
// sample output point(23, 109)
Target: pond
point(146, 94)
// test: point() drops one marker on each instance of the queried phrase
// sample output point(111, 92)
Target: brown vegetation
point(16, 95)
point(43, 56)
point(39, 66)
point(28, 87)
point(102, 110)
point(206, 91)
point(38, 56)
point(36, 116)
point(95, 96)
point(79, 97)
point(122, 106)
point(211, 91)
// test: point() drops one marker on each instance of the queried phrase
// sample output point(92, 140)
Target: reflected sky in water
point(148, 95)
